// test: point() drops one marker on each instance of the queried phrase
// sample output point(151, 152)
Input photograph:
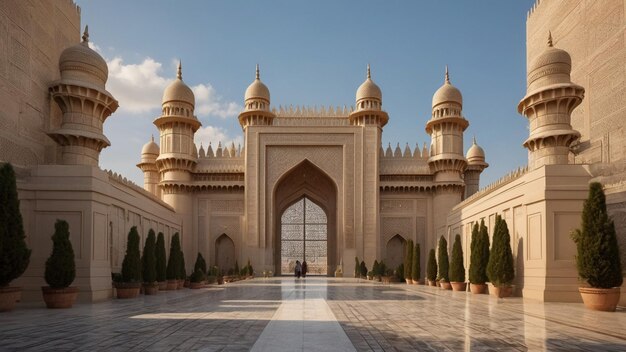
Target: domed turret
point(257, 89)
point(475, 166)
point(475, 153)
point(150, 149)
point(79, 62)
point(369, 102)
point(178, 91)
point(256, 110)
point(369, 89)
point(447, 93)
point(550, 99)
point(149, 155)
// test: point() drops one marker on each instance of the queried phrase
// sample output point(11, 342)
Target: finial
point(474, 140)
point(179, 71)
point(86, 34)
point(258, 76)
point(549, 38)
point(152, 138)
point(369, 72)
point(447, 75)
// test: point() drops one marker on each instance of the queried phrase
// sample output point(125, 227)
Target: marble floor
point(313, 314)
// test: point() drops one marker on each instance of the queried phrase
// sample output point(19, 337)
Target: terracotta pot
point(602, 299)
point(171, 285)
point(127, 289)
point(59, 297)
point(151, 289)
point(459, 286)
point(408, 281)
point(431, 283)
point(196, 285)
point(445, 285)
point(162, 285)
point(220, 280)
point(8, 297)
point(502, 291)
point(478, 288)
point(415, 282)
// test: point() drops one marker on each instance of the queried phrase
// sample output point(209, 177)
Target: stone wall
point(33, 33)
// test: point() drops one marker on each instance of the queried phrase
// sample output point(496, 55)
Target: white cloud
point(214, 135)
point(208, 103)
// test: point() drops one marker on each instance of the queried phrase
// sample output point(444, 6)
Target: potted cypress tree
point(500, 269)
point(415, 267)
point(363, 269)
point(408, 261)
point(444, 264)
point(457, 269)
point(199, 275)
point(598, 258)
point(148, 265)
point(172, 271)
point(60, 270)
point(130, 285)
point(375, 271)
point(14, 254)
point(479, 258)
point(161, 266)
point(431, 268)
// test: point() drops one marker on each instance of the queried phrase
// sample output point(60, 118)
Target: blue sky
point(314, 53)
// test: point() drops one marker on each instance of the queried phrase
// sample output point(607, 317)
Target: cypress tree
point(598, 258)
point(375, 268)
point(363, 269)
point(457, 269)
point(237, 272)
point(415, 270)
point(160, 258)
point(500, 269)
point(408, 260)
point(131, 266)
point(14, 254)
point(148, 260)
point(431, 268)
point(60, 266)
point(200, 263)
point(443, 260)
point(480, 254)
point(173, 262)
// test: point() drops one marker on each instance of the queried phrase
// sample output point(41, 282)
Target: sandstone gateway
point(312, 183)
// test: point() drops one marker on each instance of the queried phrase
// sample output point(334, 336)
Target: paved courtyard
point(313, 314)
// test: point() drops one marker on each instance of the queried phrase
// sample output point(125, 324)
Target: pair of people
point(301, 269)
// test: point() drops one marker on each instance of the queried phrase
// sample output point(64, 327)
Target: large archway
point(305, 221)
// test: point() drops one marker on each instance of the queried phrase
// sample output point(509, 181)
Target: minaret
point(85, 103)
point(550, 99)
point(149, 154)
point(475, 166)
point(178, 156)
point(256, 104)
point(370, 117)
point(446, 160)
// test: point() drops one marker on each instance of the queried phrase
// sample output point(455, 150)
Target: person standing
point(298, 269)
point(304, 268)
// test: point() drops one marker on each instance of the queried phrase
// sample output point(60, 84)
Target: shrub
point(60, 266)
point(382, 268)
point(375, 268)
point(249, 268)
point(356, 267)
point(173, 262)
point(443, 260)
point(148, 260)
point(197, 276)
point(479, 256)
point(598, 258)
point(400, 272)
point(131, 266)
point(363, 269)
point(431, 268)
point(415, 270)
point(457, 269)
point(200, 264)
point(160, 258)
point(14, 255)
point(408, 259)
point(500, 268)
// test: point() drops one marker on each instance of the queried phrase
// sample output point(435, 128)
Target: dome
point(552, 66)
point(447, 93)
point(369, 89)
point(257, 89)
point(150, 148)
point(80, 62)
point(475, 153)
point(178, 90)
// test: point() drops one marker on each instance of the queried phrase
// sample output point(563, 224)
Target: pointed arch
point(224, 252)
point(394, 251)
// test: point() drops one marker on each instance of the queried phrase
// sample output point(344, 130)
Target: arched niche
point(394, 251)
point(225, 253)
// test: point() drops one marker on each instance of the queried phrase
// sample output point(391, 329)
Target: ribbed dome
point(447, 93)
point(475, 153)
point(178, 90)
point(150, 148)
point(552, 66)
point(79, 62)
point(369, 89)
point(257, 90)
